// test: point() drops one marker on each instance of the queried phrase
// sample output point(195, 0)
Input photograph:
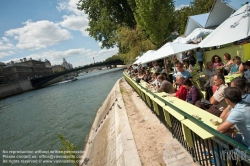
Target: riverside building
point(25, 70)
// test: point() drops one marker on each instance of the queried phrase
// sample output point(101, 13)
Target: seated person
point(165, 76)
point(140, 74)
point(209, 71)
point(193, 93)
point(169, 66)
point(239, 83)
point(182, 71)
point(246, 66)
point(176, 67)
point(164, 86)
point(237, 67)
point(218, 71)
point(217, 62)
point(147, 76)
point(228, 65)
point(129, 69)
point(188, 67)
point(217, 101)
point(239, 117)
point(209, 74)
point(181, 92)
point(154, 79)
point(156, 66)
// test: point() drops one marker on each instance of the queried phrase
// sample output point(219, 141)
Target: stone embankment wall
point(110, 141)
point(24, 86)
point(15, 88)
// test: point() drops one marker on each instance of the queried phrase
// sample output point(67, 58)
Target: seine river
point(32, 120)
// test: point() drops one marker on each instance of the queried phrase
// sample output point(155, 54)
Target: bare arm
point(225, 113)
point(224, 126)
point(213, 101)
point(241, 69)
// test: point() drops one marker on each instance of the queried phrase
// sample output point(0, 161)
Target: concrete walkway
point(126, 133)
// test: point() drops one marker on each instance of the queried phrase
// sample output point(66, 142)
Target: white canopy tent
point(170, 49)
point(145, 56)
point(236, 27)
point(197, 21)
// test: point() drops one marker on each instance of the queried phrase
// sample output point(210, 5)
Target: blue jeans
point(237, 138)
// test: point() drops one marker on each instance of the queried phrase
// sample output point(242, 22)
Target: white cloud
point(70, 6)
point(6, 53)
point(5, 45)
point(74, 22)
point(181, 6)
point(76, 19)
point(37, 35)
point(5, 39)
point(100, 44)
point(78, 54)
point(56, 56)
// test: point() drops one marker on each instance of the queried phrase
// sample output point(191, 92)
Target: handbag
point(205, 103)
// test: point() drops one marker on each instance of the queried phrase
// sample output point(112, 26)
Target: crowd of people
point(175, 77)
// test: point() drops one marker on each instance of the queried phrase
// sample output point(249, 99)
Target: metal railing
point(219, 150)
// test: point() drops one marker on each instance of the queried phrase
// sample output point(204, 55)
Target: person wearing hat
point(247, 72)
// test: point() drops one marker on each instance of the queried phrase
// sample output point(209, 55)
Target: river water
point(33, 120)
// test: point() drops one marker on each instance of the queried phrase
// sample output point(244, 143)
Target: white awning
point(235, 28)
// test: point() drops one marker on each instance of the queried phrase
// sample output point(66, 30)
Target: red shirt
point(181, 93)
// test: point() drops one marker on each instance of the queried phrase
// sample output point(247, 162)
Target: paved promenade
point(126, 133)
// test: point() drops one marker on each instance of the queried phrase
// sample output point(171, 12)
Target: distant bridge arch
point(38, 82)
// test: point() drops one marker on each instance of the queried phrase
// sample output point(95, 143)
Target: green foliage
point(136, 26)
point(181, 17)
point(132, 42)
point(69, 147)
point(114, 57)
point(105, 17)
point(201, 6)
point(155, 17)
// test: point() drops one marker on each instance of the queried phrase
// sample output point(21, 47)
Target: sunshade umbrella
point(146, 56)
point(180, 40)
point(236, 27)
point(171, 49)
point(197, 33)
point(138, 60)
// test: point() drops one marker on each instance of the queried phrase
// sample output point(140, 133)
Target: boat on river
point(68, 79)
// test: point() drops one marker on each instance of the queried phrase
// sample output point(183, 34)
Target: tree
point(105, 17)
point(114, 57)
point(155, 17)
point(201, 6)
point(132, 43)
point(181, 17)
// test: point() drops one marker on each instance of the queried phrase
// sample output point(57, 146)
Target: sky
point(50, 29)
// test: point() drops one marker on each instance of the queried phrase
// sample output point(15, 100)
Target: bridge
point(38, 82)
